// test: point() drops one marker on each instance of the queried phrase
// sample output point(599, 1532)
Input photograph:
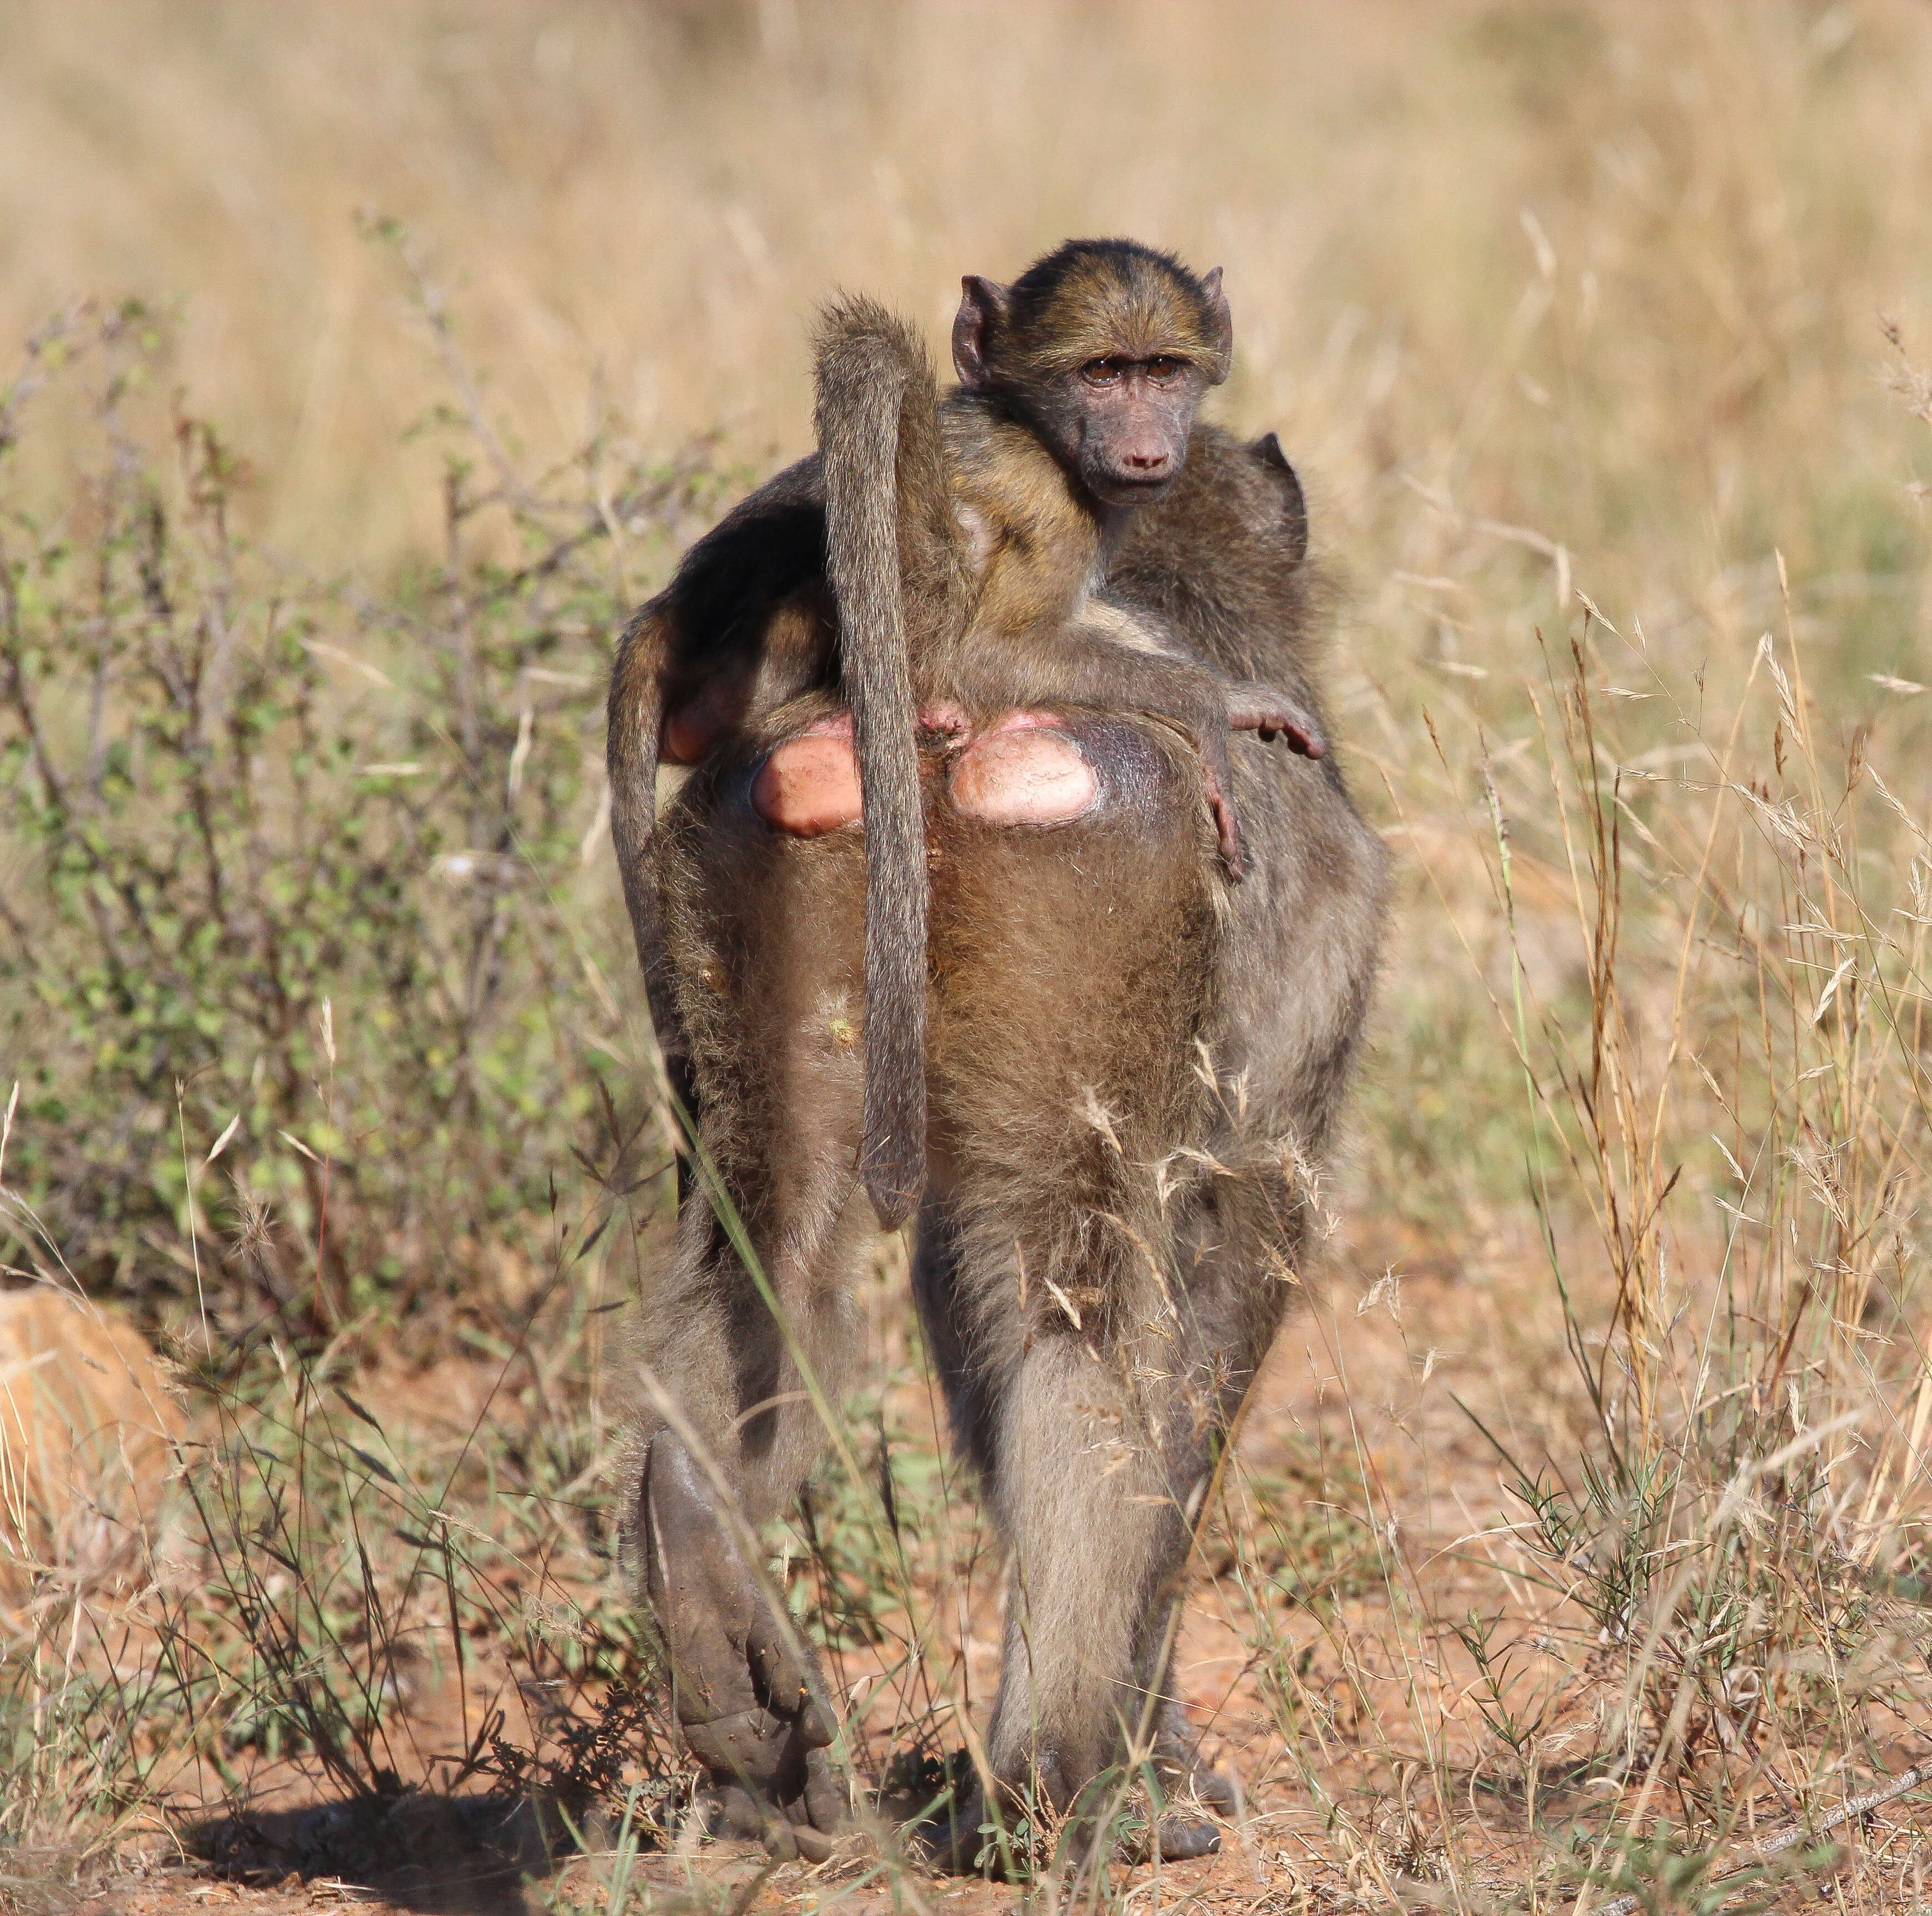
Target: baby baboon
point(1133, 1069)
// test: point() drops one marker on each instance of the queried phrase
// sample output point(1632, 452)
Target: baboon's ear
point(983, 310)
point(1218, 324)
point(1294, 506)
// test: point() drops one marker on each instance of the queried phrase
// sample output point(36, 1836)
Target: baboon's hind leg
point(1093, 1462)
point(1072, 968)
point(737, 1354)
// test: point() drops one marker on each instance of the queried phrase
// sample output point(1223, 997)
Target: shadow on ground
point(444, 1855)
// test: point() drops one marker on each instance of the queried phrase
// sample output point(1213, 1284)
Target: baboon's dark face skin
point(1121, 426)
point(1104, 347)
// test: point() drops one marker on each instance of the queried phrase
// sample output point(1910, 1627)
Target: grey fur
point(1134, 1069)
point(877, 414)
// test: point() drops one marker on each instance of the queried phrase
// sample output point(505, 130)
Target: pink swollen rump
point(694, 727)
point(1024, 771)
point(809, 786)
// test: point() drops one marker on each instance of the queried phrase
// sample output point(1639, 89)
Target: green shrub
point(303, 870)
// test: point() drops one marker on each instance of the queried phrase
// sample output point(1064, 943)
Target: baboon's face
point(1121, 424)
point(1108, 371)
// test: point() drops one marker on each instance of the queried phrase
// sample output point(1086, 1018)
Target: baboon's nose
point(1150, 460)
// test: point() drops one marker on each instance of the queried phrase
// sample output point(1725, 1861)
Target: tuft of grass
point(371, 1633)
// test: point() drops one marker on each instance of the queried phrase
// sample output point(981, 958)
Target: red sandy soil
point(1362, 1378)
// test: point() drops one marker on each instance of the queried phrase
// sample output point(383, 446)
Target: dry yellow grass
point(1571, 317)
point(644, 202)
point(87, 1430)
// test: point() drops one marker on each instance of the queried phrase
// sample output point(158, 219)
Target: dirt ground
point(1366, 1382)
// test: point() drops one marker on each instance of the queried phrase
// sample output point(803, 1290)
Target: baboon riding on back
point(1011, 884)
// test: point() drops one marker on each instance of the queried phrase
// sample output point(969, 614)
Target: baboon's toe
point(1215, 1788)
point(1184, 1838)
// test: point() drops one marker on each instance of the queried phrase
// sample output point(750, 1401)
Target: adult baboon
point(1132, 1068)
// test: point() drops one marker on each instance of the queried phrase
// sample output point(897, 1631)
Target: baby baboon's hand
point(749, 1710)
point(1252, 707)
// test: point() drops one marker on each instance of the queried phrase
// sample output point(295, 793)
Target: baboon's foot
point(724, 1807)
point(748, 1694)
point(1253, 707)
point(1184, 1838)
point(947, 1839)
point(961, 1837)
point(1191, 1795)
point(1182, 1774)
point(1181, 1839)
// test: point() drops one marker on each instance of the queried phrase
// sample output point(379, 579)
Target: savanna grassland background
point(364, 363)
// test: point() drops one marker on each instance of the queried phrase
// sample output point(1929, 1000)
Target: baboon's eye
point(1102, 372)
point(1165, 366)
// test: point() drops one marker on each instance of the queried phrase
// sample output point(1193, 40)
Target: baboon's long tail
point(877, 424)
